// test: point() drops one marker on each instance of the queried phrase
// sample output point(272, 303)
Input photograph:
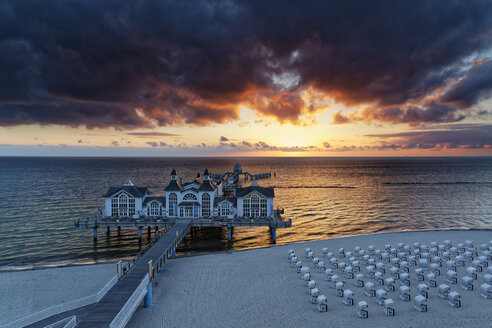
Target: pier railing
point(126, 312)
point(60, 308)
point(116, 309)
point(129, 265)
point(276, 222)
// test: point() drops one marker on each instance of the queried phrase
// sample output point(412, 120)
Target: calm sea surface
point(325, 198)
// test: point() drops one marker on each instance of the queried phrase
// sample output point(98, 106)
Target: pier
point(135, 284)
point(213, 203)
point(163, 222)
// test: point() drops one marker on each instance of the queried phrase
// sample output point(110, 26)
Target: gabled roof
point(232, 200)
point(132, 190)
point(267, 191)
point(173, 186)
point(191, 182)
point(161, 200)
point(206, 186)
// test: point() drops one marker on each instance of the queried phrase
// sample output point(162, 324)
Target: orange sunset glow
point(232, 88)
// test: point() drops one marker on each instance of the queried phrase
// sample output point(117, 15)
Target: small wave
point(439, 183)
point(15, 268)
point(41, 266)
point(314, 187)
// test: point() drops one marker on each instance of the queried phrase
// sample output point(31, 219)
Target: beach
point(258, 288)
point(254, 287)
point(25, 292)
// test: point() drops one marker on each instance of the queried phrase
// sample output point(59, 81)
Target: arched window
point(114, 206)
point(225, 209)
point(206, 205)
point(123, 205)
point(246, 207)
point(263, 207)
point(173, 200)
point(131, 206)
point(153, 209)
point(189, 197)
point(255, 206)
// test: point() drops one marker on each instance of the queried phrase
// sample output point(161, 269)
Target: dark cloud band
point(148, 63)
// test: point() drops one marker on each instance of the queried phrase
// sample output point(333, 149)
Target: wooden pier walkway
point(121, 301)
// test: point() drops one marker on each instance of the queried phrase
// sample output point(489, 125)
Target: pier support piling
point(274, 234)
point(229, 233)
point(95, 234)
point(174, 251)
point(119, 230)
point(108, 231)
point(140, 233)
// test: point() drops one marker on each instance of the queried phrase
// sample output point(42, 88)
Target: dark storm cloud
point(148, 63)
point(467, 136)
point(431, 112)
point(476, 86)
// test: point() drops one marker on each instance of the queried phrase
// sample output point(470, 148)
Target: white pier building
point(200, 198)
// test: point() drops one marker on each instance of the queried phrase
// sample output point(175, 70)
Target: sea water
point(324, 197)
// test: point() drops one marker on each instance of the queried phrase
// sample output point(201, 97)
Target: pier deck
point(276, 222)
point(117, 306)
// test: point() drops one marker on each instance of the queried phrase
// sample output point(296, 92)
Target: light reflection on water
point(325, 198)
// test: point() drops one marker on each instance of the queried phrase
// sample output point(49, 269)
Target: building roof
point(129, 189)
point(161, 200)
point(189, 203)
point(238, 168)
point(206, 186)
point(267, 191)
point(173, 185)
point(192, 182)
point(232, 200)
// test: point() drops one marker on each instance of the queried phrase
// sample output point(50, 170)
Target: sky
point(245, 78)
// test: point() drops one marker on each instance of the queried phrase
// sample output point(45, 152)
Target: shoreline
point(248, 273)
point(34, 267)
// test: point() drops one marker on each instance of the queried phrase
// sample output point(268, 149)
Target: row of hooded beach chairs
point(401, 258)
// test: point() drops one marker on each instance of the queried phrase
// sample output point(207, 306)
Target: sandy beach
point(258, 288)
point(26, 292)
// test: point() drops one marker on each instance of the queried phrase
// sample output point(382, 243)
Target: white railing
point(131, 305)
point(60, 308)
point(69, 322)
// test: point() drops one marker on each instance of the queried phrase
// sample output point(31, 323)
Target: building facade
point(200, 198)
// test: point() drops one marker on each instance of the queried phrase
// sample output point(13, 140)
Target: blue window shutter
point(194, 210)
point(176, 209)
